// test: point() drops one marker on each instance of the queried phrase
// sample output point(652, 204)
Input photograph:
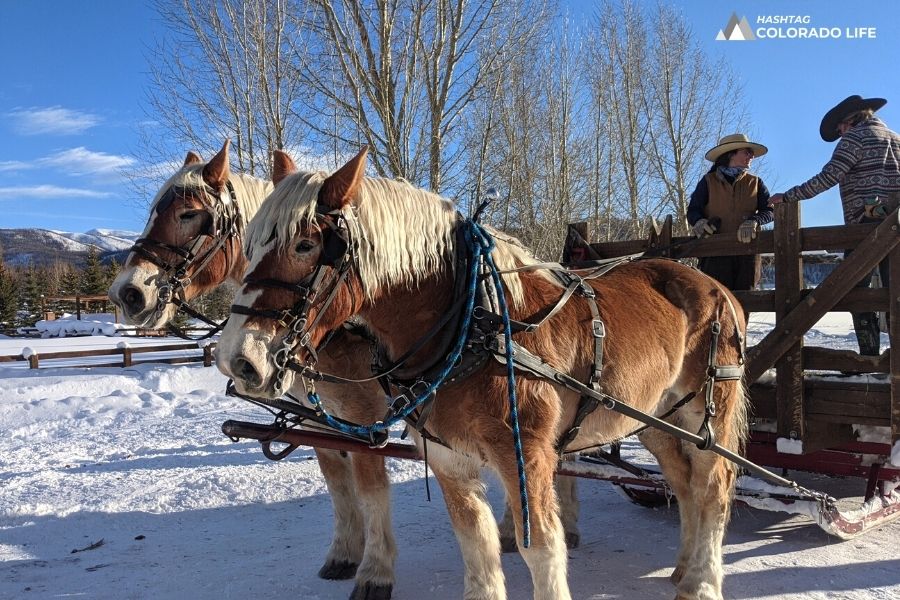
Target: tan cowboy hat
point(849, 105)
point(735, 141)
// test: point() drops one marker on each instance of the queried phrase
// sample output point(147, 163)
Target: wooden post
point(126, 356)
point(819, 301)
point(77, 307)
point(788, 286)
point(207, 355)
point(33, 361)
point(661, 236)
point(894, 331)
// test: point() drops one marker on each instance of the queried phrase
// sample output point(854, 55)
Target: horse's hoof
point(372, 591)
point(338, 569)
point(677, 575)
point(508, 545)
point(573, 539)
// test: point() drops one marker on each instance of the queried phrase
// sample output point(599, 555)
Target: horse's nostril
point(133, 300)
point(243, 370)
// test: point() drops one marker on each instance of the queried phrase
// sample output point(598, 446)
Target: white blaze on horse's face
point(247, 346)
point(176, 222)
point(245, 351)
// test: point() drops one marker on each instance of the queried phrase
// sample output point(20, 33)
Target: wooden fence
point(126, 354)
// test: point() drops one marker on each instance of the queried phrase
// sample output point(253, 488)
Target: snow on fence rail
point(124, 350)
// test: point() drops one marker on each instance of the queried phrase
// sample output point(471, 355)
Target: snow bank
point(67, 325)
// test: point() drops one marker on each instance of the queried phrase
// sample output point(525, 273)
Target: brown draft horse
point(658, 316)
point(182, 213)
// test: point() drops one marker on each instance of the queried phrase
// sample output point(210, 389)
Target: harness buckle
point(599, 329)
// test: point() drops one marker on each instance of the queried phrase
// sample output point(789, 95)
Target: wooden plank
point(894, 332)
point(856, 300)
point(788, 283)
point(846, 361)
point(837, 401)
point(833, 239)
point(823, 298)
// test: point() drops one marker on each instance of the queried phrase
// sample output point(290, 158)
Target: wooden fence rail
point(126, 352)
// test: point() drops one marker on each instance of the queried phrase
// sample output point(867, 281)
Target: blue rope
point(481, 244)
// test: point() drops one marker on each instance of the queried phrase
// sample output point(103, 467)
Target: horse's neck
point(401, 316)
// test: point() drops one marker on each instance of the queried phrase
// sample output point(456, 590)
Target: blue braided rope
point(513, 399)
point(482, 244)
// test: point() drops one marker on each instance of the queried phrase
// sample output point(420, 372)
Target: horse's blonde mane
point(250, 191)
point(414, 230)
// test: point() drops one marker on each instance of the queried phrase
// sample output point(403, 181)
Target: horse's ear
point(282, 166)
point(340, 189)
point(192, 158)
point(216, 171)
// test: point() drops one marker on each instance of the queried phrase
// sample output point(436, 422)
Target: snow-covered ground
point(135, 458)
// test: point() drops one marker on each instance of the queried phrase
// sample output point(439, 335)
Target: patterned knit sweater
point(866, 164)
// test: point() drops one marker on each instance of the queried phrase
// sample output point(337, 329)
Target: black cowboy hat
point(829, 127)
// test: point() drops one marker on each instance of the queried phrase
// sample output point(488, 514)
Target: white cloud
point(14, 165)
point(49, 191)
point(81, 161)
point(52, 120)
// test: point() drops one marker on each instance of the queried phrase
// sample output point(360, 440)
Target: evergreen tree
point(112, 271)
point(93, 277)
point(31, 291)
point(9, 296)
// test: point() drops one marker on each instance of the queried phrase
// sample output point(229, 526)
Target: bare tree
point(400, 74)
point(690, 101)
point(223, 71)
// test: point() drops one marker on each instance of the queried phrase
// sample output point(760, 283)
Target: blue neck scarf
point(731, 172)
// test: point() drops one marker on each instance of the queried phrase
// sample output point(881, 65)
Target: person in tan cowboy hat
point(866, 167)
point(731, 200)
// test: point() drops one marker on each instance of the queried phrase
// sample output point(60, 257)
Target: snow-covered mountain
point(45, 246)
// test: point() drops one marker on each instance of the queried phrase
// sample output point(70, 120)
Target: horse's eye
point(188, 216)
point(304, 246)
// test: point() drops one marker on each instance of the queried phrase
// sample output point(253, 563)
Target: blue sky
point(73, 77)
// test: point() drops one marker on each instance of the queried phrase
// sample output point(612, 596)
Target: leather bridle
point(337, 258)
point(224, 226)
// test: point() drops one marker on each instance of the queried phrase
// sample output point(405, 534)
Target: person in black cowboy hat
point(731, 200)
point(866, 166)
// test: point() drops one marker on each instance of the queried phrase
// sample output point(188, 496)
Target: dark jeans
point(866, 323)
point(734, 272)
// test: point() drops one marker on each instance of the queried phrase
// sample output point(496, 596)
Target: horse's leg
point(546, 556)
point(375, 575)
point(473, 523)
point(507, 530)
point(566, 491)
point(712, 484)
point(348, 540)
point(676, 468)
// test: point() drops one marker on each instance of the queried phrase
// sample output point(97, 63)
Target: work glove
point(746, 233)
point(703, 228)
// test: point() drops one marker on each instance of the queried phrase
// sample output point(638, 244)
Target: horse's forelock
point(250, 191)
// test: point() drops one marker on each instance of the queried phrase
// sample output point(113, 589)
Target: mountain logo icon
point(737, 30)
